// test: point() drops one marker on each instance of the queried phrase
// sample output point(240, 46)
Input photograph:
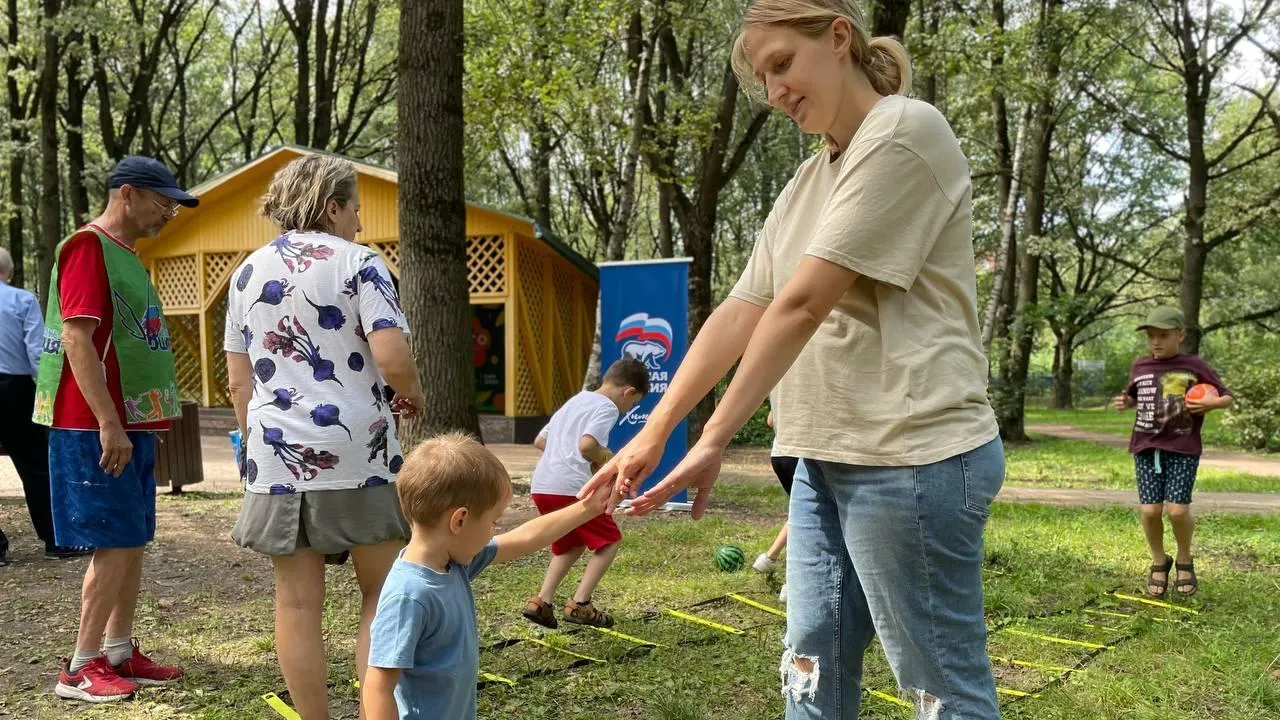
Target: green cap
point(1164, 318)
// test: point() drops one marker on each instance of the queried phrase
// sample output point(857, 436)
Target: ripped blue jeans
point(893, 551)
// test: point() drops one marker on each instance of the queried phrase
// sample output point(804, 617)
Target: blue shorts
point(1165, 476)
point(92, 508)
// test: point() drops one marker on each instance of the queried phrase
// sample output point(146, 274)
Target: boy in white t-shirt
point(573, 444)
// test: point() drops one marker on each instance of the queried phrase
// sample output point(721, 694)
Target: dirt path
point(1238, 461)
point(753, 464)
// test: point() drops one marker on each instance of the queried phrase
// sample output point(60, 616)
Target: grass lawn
point(1055, 462)
point(1107, 420)
point(208, 605)
point(1094, 418)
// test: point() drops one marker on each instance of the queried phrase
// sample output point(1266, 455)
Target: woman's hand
point(628, 469)
point(699, 469)
point(408, 405)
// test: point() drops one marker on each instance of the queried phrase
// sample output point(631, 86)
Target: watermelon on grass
point(730, 558)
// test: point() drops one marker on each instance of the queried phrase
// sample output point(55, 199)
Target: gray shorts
point(327, 521)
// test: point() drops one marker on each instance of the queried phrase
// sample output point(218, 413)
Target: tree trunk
point(1007, 162)
point(301, 28)
point(1191, 288)
point(889, 17)
point(50, 227)
point(17, 153)
point(591, 380)
point(698, 233)
point(76, 91)
point(1002, 290)
point(1011, 403)
point(325, 72)
point(1063, 371)
point(1195, 252)
point(433, 214)
point(542, 170)
point(929, 22)
point(616, 247)
point(666, 240)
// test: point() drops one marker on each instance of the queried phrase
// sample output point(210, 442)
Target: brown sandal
point(1190, 582)
point(585, 613)
point(1162, 584)
point(541, 613)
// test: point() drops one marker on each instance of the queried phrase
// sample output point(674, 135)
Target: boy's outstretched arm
point(377, 693)
point(539, 532)
point(593, 451)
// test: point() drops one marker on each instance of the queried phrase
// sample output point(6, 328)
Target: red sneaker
point(96, 682)
point(144, 671)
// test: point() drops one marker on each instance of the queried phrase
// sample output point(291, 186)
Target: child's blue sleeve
point(398, 626)
point(482, 559)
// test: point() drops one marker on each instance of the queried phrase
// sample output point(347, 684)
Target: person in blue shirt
point(21, 338)
point(424, 650)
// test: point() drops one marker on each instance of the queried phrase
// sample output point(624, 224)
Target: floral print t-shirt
point(302, 307)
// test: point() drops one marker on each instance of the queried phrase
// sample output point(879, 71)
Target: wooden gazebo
point(533, 298)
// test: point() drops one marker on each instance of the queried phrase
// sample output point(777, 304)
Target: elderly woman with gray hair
point(314, 336)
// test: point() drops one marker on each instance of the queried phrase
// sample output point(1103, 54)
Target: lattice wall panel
point(391, 254)
point(178, 282)
point(526, 397)
point(487, 264)
point(216, 268)
point(587, 327)
point(184, 336)
point(535, 343)
point(564, 281)
point(218, 394)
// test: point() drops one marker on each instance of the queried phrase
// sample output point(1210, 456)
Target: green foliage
point(756, 432)
point(1246, 361)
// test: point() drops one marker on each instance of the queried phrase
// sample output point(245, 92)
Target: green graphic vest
point(148, 381)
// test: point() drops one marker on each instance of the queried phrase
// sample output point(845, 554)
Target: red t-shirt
point(1159, 386)
point(84, 291)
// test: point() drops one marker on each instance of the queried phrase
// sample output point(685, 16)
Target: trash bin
point(178, 457)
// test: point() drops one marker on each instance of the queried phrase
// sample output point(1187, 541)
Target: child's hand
point(1203, 405)
point(1122, 401)
point(604, 499)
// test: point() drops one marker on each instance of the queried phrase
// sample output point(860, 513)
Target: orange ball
point(1201, 391)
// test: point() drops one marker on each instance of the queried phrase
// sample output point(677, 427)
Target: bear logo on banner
point(645, 338)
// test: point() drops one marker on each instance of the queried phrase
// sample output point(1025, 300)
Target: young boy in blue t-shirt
point(424, 650)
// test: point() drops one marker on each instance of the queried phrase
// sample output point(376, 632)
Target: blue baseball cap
point(149, 174)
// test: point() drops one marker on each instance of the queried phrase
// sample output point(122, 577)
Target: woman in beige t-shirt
point(859, 304)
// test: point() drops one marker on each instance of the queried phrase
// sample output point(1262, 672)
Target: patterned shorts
point(1165, 476)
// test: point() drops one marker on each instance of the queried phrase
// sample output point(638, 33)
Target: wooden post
point(206, 371)
point(549, 331)
point(511, 327)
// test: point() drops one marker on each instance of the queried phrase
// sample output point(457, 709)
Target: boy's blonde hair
point(447, 472)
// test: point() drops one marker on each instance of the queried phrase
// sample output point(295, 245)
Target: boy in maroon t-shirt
point(1166, 442)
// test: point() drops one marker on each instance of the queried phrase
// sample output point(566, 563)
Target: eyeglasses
point(170, 209)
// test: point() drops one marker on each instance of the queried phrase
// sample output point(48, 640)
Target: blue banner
point(644, 314)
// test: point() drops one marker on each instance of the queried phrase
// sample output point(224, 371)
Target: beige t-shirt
point(895, 375)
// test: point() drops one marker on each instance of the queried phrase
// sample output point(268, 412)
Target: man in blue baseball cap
point(106, 385)
point(144, 179)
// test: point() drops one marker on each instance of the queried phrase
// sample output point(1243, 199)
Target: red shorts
point(595, 533)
